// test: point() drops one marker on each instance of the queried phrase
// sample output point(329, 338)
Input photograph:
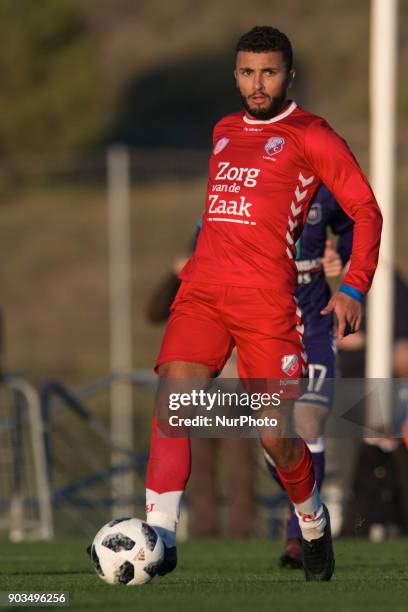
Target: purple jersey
point(313, 291)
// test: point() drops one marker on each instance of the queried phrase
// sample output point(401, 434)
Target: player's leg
point(271, 349)
point(263, 355)
point(310, 414)
point(169, 463)
point(292, 556)
point(170, 457)
point(195, 346)
point(294, 465)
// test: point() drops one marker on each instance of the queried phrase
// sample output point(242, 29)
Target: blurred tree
point(49, 96)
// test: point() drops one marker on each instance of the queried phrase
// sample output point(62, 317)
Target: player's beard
point(274, 107)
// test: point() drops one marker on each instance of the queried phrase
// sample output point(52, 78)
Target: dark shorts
point(321, 353)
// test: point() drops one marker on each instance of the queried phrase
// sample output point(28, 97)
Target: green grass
point(217, 575)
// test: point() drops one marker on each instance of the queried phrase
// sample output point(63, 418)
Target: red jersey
point(263, 175)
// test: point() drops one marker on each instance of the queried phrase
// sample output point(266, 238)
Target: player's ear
point(291, 77)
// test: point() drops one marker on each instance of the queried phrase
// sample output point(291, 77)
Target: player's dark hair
point(262, 39)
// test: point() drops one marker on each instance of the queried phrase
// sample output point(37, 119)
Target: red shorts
point(208, 320)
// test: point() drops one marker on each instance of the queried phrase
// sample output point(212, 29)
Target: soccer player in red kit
point(238, 287)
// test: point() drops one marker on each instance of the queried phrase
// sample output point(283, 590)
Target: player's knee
point(310, 431)
point(309, 421)
point(183, 369)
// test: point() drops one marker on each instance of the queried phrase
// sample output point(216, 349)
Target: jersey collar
point(288, 110)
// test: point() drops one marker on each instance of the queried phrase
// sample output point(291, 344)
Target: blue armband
point(352, 292)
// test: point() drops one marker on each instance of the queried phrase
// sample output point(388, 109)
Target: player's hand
point(331, 261)
point(347, 311)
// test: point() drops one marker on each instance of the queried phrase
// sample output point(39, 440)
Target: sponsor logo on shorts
point(220, 145)
point(274, 145)
point(290, 364)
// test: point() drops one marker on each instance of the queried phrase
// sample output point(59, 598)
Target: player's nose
point(258, 82)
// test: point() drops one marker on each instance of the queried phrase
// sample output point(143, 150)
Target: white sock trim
point(312, 529)
point(160, 519)
point(310, 513)
point(311, 504)
point(165, 503)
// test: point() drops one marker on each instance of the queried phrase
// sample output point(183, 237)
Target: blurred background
point(78, 77)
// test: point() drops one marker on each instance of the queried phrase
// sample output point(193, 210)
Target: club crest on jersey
point(315, 214)
point(290, 364)
point(274, 145)
point(220, 145)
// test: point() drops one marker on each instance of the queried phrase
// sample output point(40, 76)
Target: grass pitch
point(217, 575)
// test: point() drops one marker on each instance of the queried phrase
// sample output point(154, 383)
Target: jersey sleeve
point(333, 162)
point(218, 131)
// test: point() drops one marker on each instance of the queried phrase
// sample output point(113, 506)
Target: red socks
point(300, 480)
point(169, 463)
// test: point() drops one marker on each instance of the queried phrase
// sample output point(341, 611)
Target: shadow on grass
point(48, 573)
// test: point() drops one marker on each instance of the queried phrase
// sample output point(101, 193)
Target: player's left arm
point(333, 162)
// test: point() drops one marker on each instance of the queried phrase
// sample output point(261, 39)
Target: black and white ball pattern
point(127, 551)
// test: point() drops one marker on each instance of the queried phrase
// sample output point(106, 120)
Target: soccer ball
point(127, 551)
